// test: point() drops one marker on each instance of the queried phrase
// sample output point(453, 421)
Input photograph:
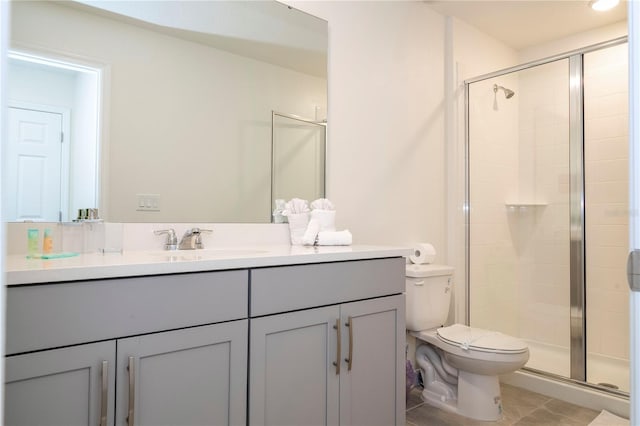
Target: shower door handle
point(633, 270)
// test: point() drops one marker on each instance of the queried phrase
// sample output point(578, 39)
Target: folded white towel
point(326, 219)
point(322, 204)
point(296, 206)
point(334, 238)
point(309, 237)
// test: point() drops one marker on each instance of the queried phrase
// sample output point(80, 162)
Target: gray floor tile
point(542, 416)
point(414, 399)
point(521, 407)
point(575, 412)
point(518, 402)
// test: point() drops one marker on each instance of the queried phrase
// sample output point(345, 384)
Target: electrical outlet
point(148, 203)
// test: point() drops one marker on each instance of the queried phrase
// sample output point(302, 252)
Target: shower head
point(508, 93)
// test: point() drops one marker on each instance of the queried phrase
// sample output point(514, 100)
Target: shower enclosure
point(547, 211)
point(298, 156)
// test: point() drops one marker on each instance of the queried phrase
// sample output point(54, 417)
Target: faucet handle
point(198, 233)
point(172, 241)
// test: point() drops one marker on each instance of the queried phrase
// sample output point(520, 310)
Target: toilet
point(460, 365)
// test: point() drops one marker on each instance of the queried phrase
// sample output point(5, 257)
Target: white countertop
point(21, 270)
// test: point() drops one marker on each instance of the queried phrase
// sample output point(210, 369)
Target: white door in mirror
point(34, 159)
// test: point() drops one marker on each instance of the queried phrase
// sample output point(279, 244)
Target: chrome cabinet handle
point(132, 391)
point(338, 346)
point(104, 393)
point(350, 359)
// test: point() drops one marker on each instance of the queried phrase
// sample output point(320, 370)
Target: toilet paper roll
point(423, 253)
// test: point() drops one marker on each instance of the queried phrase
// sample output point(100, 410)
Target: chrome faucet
point(171, 242)
point(192, 239)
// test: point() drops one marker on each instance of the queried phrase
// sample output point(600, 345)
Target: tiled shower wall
point(606, 198)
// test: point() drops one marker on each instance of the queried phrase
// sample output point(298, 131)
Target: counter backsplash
point(90, 237)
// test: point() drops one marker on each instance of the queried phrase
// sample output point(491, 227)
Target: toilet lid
point(480, 340)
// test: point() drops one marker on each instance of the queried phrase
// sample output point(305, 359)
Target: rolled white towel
point(309, 237)
point(322, 204)
point(326, 219)
point(334, 238)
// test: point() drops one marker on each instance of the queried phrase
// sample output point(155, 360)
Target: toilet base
point(478, 397)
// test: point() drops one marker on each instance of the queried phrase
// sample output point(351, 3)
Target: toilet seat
point(477, 339)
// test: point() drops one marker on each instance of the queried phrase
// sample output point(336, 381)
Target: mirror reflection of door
point(35, 157)
point(49, 95)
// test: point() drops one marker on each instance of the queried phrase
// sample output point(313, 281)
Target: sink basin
point(205, 254)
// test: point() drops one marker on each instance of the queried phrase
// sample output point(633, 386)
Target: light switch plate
point(148, 202)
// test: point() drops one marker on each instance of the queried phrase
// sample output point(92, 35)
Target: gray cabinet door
point(293, 379)
point(193, 376)
point(66, 387)
point(372, 380)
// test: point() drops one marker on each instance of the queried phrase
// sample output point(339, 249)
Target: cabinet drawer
point(288, 288)
point(53, 315)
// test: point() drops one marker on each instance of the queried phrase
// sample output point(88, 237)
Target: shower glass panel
point(519, 195)
point(607, 227)
point(298, 147)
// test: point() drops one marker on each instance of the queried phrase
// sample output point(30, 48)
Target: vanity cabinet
point(176, 346)
point(328, 365)
point(292, 377)
point(195, 376)
point(69, 386)
point(318, 343)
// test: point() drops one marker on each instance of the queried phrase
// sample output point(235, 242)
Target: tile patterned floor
point(521, 408)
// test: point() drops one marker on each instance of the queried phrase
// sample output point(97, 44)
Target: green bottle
point(32, 241)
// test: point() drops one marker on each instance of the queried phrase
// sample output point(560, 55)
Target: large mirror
point(167, 108)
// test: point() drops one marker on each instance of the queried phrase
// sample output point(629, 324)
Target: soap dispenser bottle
point(47, 242)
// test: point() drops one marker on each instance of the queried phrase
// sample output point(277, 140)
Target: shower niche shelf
point(524, 206)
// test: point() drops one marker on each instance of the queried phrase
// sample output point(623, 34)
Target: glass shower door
point(519, 194)
point(548, 211)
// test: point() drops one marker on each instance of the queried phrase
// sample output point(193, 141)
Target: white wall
point(477, 53)
point(576, 41)
point(386, 161)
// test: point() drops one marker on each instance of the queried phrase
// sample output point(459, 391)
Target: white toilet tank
point(428, 294)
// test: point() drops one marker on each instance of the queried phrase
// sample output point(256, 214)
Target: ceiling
point(523, 23)
point(265, 30)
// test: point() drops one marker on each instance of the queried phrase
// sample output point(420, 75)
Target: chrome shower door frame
point(577, 286)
